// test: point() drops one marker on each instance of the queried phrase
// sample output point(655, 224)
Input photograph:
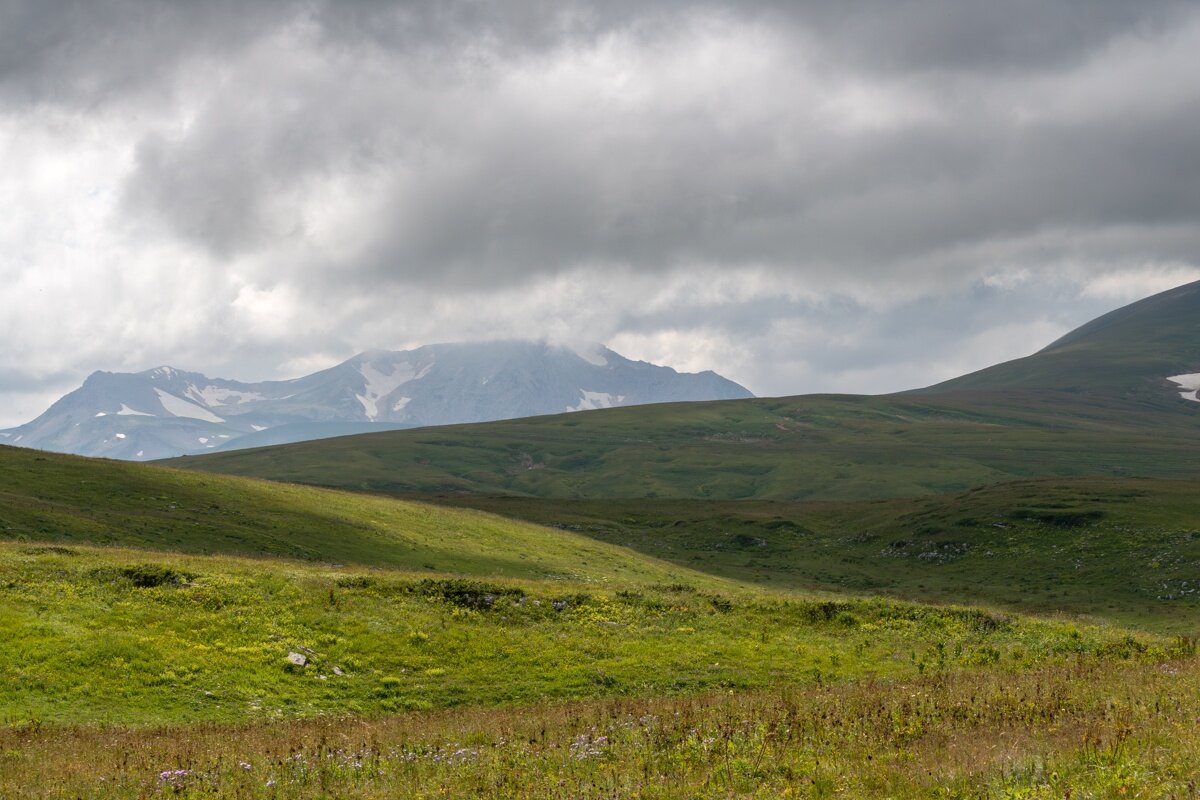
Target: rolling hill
point(70, 500)
point(1097, 402)
point(372, 646)
point(1133, 351)
point(454, 650)
point(1121, 549)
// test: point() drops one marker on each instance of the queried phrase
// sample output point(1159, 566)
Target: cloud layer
point(804, 196)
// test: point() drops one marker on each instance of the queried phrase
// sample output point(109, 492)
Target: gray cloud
point(795, 193)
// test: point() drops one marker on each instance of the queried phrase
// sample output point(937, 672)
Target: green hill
point(74, 500)
point(426, 607)
point(1121, 549)
point(1128, 352)
point(1094, 403)
point(815, 447)
point(136, 672)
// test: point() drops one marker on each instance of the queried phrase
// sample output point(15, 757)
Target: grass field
point(687, 691)
point(1121, 549)
point(117, 636)
point(152, 618)
point(1082, 729)
point(1124, 550)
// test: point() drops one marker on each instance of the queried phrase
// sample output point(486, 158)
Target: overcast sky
point(824, 196)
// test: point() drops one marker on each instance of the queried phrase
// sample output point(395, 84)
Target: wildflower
point(173, 778)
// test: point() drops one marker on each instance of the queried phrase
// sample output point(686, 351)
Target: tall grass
point(1090, 727)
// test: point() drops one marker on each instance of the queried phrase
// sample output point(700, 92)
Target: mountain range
point(164, 412)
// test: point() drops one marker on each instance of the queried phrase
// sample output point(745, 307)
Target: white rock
point(297, 658)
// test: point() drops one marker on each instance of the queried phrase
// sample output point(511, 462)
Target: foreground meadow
point(1090, 727)
point(136, 674)
point(114, 636)
point(165, 634)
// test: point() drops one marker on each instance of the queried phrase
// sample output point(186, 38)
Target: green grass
point(132, 637)
point(1125, 550)
point(797, 448)
point(1108, 728)
point(148, 616)
point(55, 498)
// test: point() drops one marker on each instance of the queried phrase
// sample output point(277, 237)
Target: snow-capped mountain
point(166, 412)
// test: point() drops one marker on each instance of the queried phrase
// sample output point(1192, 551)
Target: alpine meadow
point(599, 400)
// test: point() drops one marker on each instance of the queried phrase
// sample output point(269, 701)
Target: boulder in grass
point(297, 659)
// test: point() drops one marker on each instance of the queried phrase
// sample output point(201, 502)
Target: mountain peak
point(165, 411)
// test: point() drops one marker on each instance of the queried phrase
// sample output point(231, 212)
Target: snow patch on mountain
point(1189, 386)
point(591, 401)
point(593, 354)
point(178, 407)
point(126, 411)
point(380, 384)
point(221, 396)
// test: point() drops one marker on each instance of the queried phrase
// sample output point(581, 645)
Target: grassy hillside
point(1119, 549)
point(1128, 352)
point(819, 447)
point(403, 649)
point(1123, 549)
point(68, 499)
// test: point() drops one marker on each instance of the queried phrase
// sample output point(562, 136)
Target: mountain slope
point(1132, 351)
point(166, 412)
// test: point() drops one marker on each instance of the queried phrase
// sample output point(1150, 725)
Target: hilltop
point(1133, 352)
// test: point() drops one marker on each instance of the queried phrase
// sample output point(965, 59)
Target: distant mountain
point(167, 412)
point(1148, 350)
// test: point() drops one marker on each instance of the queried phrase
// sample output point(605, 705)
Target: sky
point(859, 196)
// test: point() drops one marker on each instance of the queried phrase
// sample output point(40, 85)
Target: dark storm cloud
point(457, 161)
point(479, 183)
point(55, 49)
